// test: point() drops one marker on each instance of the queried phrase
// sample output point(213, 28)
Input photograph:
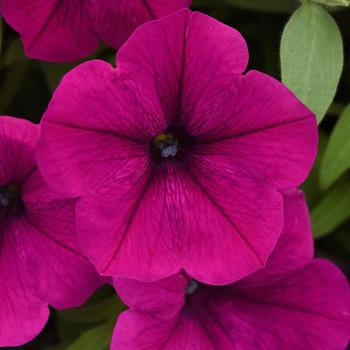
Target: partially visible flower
point(67, 30)
point(40, 261)
point(293, 303)
point(179, 158)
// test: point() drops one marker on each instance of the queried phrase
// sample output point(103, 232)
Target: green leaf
point(55, 72)
point(332, 211)
point(100, 312)
point(14, 53)
point(283, 6)
point(333, 2)
point(337, 157)
point(62, 346)
point(68, 331)
point(97, 338)
point(311, 185)
point(312, 57)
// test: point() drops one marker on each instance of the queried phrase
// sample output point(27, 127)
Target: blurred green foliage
point(337, 160)
point(311, 59)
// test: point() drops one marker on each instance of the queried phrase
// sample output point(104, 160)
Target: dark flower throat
point(173, 143)
point(11, 203)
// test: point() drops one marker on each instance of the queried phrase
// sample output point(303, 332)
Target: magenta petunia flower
point(293, 303)
point(178, 156)
point(40, 262)
point(67, 30)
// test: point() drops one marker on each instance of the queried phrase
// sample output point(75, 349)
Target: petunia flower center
point(192, 286)
point(166, 145)
point(11, 203)
point(173, 143)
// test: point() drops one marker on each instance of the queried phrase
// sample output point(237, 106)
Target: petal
point(64, 277)
point(96, 131)
point(53, 30)
point(263, 131)
point(294, 248)
point(306, 309)
point(233, 224)
point(22, 314)
point(185, 59)
point(126, 232)
point(116, 21)
point(135, 330)
point(162, 8)
point(17, 142)
point(214, 228)
point(162, 299)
